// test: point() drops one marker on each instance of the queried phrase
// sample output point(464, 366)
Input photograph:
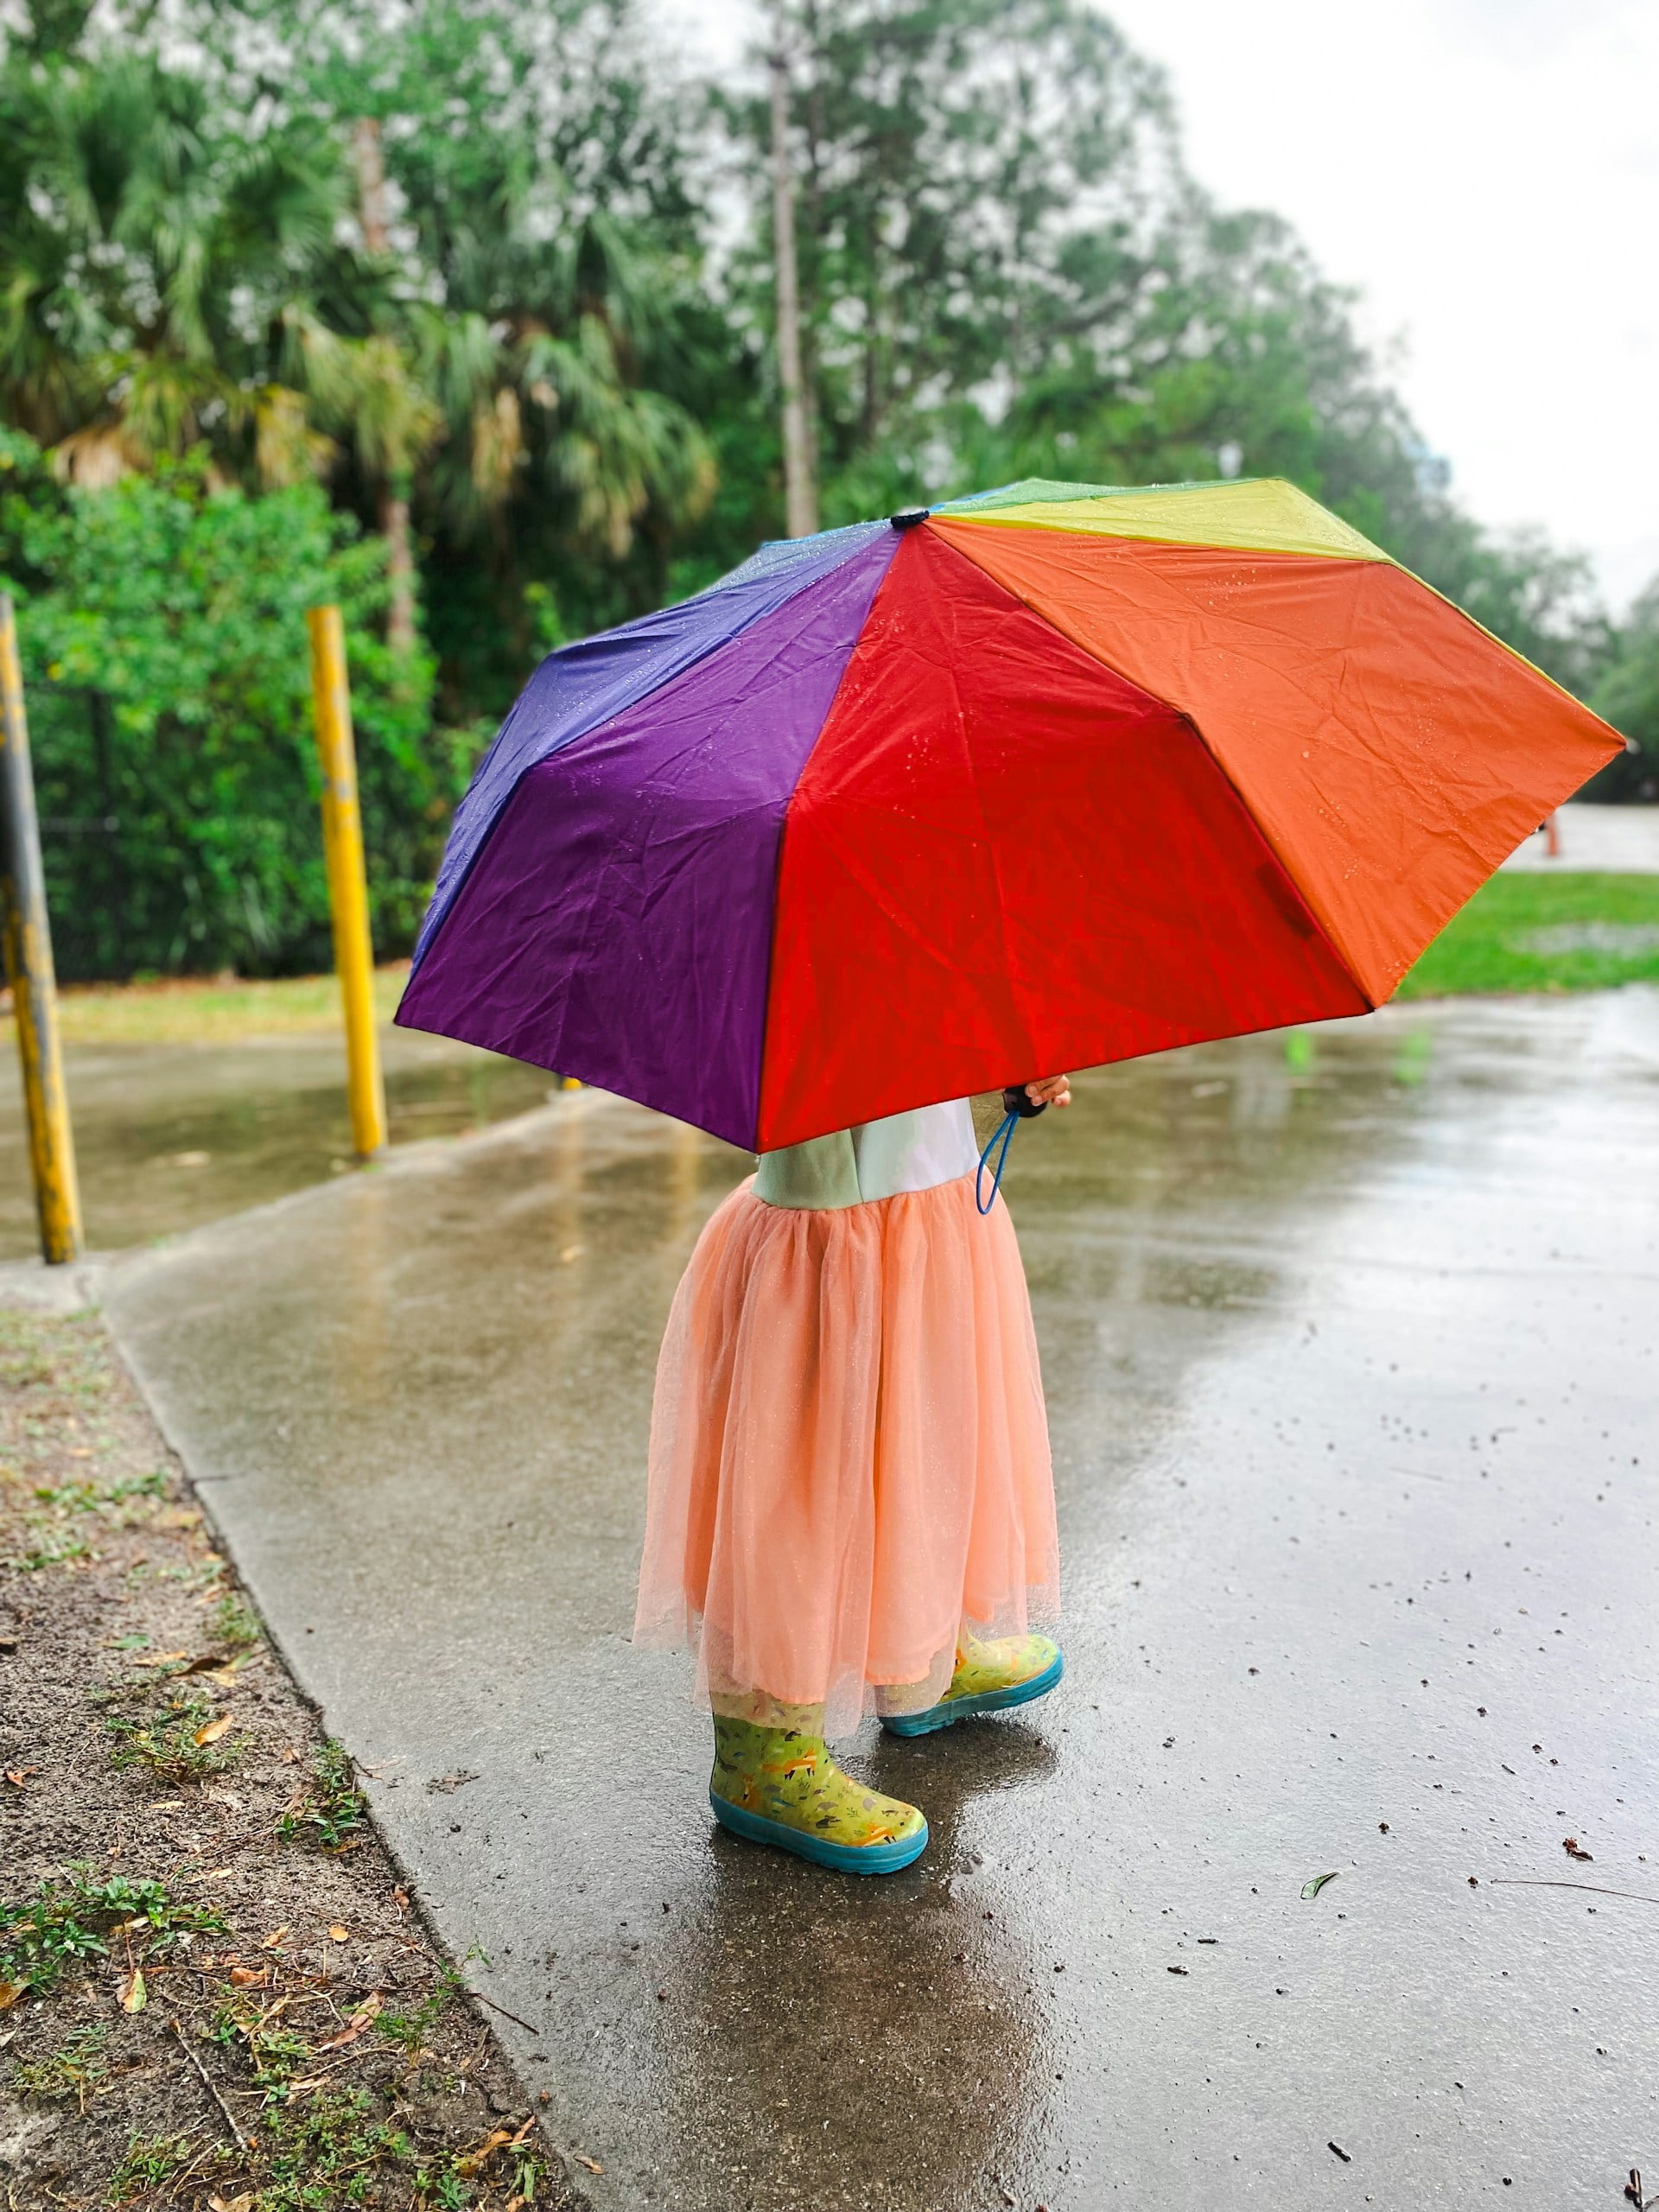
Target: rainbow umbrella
point(1051, 777)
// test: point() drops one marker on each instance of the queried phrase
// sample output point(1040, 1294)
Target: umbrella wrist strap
point(1003, 1135)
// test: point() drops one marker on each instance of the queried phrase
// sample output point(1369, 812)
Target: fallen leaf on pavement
point(211, 1731)
point(592, 2165)
point(274, 1941)
point(249, 1977)
point(17, 1776)
point(291, 1756)
point(362, 2018)
point(1312, 1889)
point(229, 2203)
point(134, 1995)
point(338, 1933)
point(160, 1658)
point(10, 1993)
point(1570, 1846)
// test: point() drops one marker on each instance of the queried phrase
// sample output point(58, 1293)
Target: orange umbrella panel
point(1392, 752)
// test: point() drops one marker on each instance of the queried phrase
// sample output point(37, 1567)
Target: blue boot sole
point(845, 1858)
point(964, 1708)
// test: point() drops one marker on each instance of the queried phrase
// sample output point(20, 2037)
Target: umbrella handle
point(1017, 1099)
point(1021, 1108)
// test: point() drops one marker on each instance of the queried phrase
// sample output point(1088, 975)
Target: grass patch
point(56, 1551)
point(320, 2152)
point(236, 1626)
point(181, 1742)
point(275, 2052)
point(84, 1496)
point(1530, 932)
point(410, 2029)
point(210, 1009)
point(150, 2161)
point(328, 1809)
point(69, 1920)
point(76, 2070)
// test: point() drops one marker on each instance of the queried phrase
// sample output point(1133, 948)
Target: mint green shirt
point(876, 1160)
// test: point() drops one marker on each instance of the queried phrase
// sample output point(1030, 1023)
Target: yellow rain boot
point(1004, 1670)
point(780, 1785)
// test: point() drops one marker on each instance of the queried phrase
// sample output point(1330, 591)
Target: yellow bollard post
point(29, 971)
point(348, 888)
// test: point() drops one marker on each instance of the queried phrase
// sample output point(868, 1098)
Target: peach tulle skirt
point(849, 1451)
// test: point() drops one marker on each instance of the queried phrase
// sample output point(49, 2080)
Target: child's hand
point(1053, 1091)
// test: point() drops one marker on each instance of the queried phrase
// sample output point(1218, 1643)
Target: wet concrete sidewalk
point(1350, 1352)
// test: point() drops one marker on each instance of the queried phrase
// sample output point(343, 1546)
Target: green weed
point(77, 2070)
point(150, 2161)
point(411, 2028)
point(275, 2052)
point(166, 1741)
point(321, 2152)
point(68, 1920)
point(57, 1553)
point(330, 1809)
point(83, 1496)
point(195, 1574)
point(236, 1626)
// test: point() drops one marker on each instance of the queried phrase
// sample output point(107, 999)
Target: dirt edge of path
point(216, 1991)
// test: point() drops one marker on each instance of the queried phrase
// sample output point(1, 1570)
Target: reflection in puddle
point(169, 1136)
point(901, 2013)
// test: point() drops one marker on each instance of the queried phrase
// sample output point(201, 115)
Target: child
point(850, 1496)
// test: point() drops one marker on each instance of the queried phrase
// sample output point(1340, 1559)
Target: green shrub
point(165, 662)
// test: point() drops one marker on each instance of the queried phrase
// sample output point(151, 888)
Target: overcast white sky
point(1486, 172)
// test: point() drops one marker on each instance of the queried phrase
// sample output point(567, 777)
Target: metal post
point(348, 888)
point(28, 969)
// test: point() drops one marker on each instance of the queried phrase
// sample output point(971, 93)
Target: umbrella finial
point(907, 517)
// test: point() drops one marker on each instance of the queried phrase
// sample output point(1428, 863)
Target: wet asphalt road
point(1348, 1344)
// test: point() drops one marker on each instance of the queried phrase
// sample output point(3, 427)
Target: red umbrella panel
point(1051, 777)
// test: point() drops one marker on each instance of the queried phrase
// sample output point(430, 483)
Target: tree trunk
point(800, 493)
point(400, 572)
point(371, 184)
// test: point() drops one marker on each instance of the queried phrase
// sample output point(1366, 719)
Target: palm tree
point(540, 359)
point(369, 391)
point(143, 251)
point(167, 284)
